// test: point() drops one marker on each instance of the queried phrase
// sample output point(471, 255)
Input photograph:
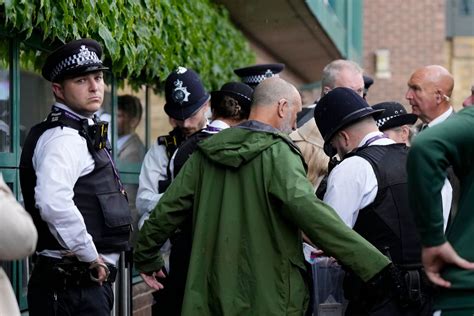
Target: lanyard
point(67, 114)
point(213, 129)
point(117, 177)
point(372, 139)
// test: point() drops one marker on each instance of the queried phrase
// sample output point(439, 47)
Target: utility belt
point(68, 272)
point(408, 284)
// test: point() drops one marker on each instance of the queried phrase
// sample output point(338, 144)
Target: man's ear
point(58, 90)
point(405, 133)
point(326, 90)
point(345, 137)
point(282, 104)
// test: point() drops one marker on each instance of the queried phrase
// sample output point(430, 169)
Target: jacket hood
point(236, 146)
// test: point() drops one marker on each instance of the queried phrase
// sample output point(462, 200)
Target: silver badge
point(180, 93)
point(181, 70)
point(268, 73)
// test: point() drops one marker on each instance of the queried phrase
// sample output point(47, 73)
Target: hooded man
point(247, 193)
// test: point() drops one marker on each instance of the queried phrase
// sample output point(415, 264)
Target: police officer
point(73, 191)
point(186, 104)
point(395, 122)
point(368, 190)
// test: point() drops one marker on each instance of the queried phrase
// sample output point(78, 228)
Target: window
point(130, 146)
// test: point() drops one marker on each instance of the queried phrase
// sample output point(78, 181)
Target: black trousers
point(44, 299)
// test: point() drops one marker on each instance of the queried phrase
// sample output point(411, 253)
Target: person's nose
point(187, 123)
point(93, 85)
point(408, 95)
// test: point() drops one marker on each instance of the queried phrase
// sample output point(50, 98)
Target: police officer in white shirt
point(368, 189)
point(73, 191)
point(187, 102)
point(186, 105)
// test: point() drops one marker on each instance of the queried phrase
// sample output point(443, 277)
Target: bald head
point(276, 102)
point(271, 90)
point(438, 76)
point(429, 92)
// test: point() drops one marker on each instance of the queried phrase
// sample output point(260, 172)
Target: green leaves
point(143, 39)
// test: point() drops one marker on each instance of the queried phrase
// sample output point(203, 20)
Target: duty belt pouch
point(70, 274)
point(98, 134)
point(413, 286)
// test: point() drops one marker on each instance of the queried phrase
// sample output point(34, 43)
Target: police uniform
point(74, 194)
point(368, 190)
point(185, 95)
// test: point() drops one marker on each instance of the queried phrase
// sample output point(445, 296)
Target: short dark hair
point(131, 105)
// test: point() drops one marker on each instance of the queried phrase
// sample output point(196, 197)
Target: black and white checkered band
point(382, 121)
point(258, 78)
point(84, 57)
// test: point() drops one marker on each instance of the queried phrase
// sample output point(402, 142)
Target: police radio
point(98, 134)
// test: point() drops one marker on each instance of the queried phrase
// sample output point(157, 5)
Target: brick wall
point(414, 33)
point(142, 299)
point(460, 52)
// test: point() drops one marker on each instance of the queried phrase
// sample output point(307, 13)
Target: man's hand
point(102, 270)
point(435, 258)
point(152, 281)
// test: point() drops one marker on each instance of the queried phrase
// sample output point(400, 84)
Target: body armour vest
point(388, 223)
point(97, 195)
point(171, 142)
point(187, 148)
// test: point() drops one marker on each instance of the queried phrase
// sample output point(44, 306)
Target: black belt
point(68, 272)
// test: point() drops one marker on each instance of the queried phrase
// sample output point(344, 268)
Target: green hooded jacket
point(250, 200)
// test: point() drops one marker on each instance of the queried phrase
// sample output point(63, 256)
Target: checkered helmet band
point(83, 58)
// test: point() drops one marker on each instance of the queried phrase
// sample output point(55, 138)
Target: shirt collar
point(369, 136)
point(441, 118)
point(219, 124)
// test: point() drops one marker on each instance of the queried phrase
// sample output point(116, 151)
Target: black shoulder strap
point(187, 148)
point(171, 141)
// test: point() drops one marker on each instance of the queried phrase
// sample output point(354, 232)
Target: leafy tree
point(143, 40)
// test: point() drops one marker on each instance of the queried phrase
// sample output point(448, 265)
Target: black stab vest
point(388, 222)
point(187, 148)
point(97, 195)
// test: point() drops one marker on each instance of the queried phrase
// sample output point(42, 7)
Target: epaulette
point(171, 141)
